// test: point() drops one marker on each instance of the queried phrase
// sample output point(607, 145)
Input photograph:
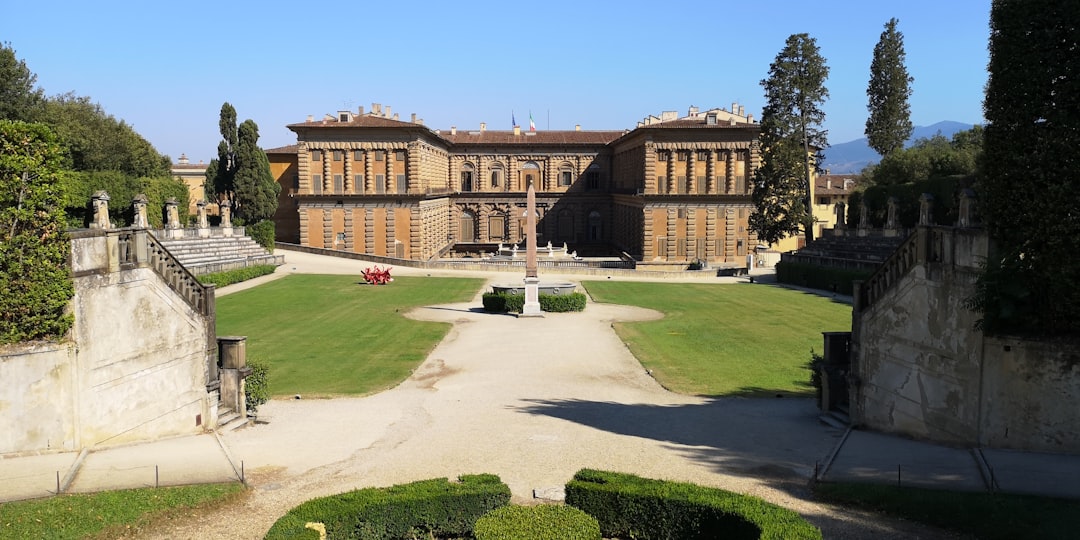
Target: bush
point(228, 277)
point(256, 385)
point(838, 280)
point(628, 506)
point(544, 522)
point(503, 302)
point(437, 508)
point(263, 234)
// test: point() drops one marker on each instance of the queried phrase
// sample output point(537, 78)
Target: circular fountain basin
point(556, 288)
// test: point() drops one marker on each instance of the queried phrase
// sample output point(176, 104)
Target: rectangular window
point(497, 227)
point(296, 182)
point(592, 179)
point(740, 184)
point(661, 247)
point(399, 155)
point(339, 155)
point(316, 155)
point(339, 185)
point(702, 155)
point(380, 184)
point(358, 155)
point(494, 179)
point(358, 183)
point(680, 184)
point(661, 155)
point(402, 184)
point(740, 247)
point(700, 184)
point(823, 200)
point(661, 184)
point(682, 156)
point(380, 155)
point(316, 184)
point(680, 248)
point(565, 178)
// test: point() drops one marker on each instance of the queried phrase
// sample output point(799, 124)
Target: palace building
point(673, 190)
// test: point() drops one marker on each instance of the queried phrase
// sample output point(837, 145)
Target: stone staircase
point(218, 253)
point(230, 420)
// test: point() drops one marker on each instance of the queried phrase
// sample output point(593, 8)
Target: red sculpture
point(377, 276)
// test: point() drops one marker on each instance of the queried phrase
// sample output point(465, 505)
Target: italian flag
point(532, 125)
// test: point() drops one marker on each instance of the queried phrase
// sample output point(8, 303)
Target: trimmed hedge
point(543, 522)
point(228, 277)
point(437, 507)
point(838, 280)
point(263, 234)
point(551, 303)
point(629, 506)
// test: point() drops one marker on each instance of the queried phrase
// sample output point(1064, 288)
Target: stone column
point(173, 229)
point(204, 224)
point(691, 171)
point(670, 187)
point(531, 308)
point(347, 183)
point(139, 206)
point(232, 357)
point(328, 176)
point(710, 173)
point(100, 203)
point(369, 173)
point(730, 187)
point(226, 217)
point(388, 178)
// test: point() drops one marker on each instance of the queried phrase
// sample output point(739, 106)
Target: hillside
point(851, 157)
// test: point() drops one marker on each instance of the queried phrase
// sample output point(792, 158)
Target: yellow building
point(194, 177)
point(672, 191)
point(829, 191)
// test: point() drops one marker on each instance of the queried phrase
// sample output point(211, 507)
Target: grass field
point(723, 340)
point(110, 514)
point(330, 335)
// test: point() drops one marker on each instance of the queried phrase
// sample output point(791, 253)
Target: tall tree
point(34, 273)
point(241, 172)
point(889, 124)
point(1028, 189)
point(19, 98)
point(791, 140)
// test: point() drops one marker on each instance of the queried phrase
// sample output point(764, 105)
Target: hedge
point(629, 506)
point(825, 278)
point(552, 303)
point(228, 277)
point(435, 507)
point(543, 522)
point(263, 234)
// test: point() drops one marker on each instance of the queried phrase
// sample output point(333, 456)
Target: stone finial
point(926, 209)
point(864, 215)
point(892, 220)
point(967, 208)
point(138, 203)
point(201, 209)
point(100, 203)
point(841, 215)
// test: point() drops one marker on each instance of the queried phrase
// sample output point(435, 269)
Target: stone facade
point(671, 190)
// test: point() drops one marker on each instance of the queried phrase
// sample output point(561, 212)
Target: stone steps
point(218, 253)
point(230, 420)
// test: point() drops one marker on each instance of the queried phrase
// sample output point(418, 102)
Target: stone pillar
point(369, 173)
point(328, 171)
point(204, 225)
point(730, 187)
point(892, 220)
point(691, 171)
point(710, 173)
point(232, 359)
point(670, 187)
point(100, 203)
point(926, 209)
point(532, 280)
point(388, 178)
point(226, 217)
point(864, 219)
point(138, 204)
point(173, 229)
point(347, 183)
point(841, 225)
point(967, 208)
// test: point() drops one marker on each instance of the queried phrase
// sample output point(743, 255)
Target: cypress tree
point(889, 124)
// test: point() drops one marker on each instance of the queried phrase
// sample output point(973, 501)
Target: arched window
point(595, 226)
point(467, 227)
point(496, 177)
point(531, 174)
point(566, 175)
point(467, 177)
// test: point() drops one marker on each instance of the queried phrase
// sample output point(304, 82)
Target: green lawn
point(110, 514)
point(983, 515)
point(722, 340)
point(331, 335)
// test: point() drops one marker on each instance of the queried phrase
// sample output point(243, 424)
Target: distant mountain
point(851, 157)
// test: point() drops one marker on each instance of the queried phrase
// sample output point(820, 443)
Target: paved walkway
point(532, 400)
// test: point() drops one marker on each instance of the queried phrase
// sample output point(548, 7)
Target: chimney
point(310, 118)
point(376, 109)
point(395, 116)
point(517, 130)
point(828, 182)
point(750, 119)
point(734, 107)
point(742, 110)
point(360, 111)
point(183, 159)
point(731, 121)
point(413, 118)
point(387, 115)
point(693, 111)
point(453, 130)
point(483, 127)
point(577, 127)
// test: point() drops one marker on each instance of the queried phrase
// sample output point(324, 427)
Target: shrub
point(838, 280)
point(436, 507)
point(263, 234)
point(228, 277)
point(256, 385)
point(544, 522)
point(504, 302)
point(628, 506)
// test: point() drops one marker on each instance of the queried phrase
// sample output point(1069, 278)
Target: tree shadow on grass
point(775, 439)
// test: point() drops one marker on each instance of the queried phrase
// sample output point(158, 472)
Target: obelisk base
point(532, 298)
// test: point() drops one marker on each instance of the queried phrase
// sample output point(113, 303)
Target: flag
point(532, 125)
point(513, 121)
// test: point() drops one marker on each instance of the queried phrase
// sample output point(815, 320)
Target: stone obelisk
point(532, 281)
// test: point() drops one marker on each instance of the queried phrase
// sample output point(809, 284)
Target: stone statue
point(100, 201)
point(139, 205)
point(926, 209)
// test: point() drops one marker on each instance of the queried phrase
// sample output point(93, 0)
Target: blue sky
point(167, 67)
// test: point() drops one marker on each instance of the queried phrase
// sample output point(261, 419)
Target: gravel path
point(532, 400)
